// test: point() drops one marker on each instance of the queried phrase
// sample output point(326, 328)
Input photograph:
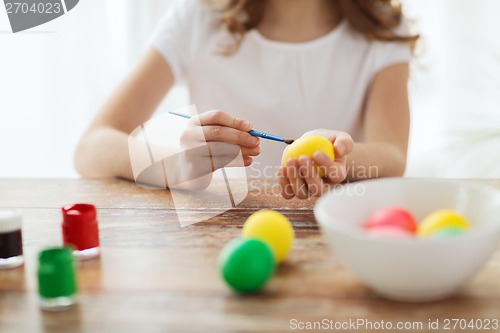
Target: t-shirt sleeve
point(390, 53)
point(172, 37)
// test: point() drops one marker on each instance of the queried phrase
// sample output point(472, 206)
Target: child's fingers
point(343, 144)
point(342, 141)
point(240, 162)
point(230, 135)
point(206, 165)
point(286, 189)
point(217, 149)
point(335, 172)
point(250, 151)
point(215, 155)
point(296, 181)
point(192, 137)
point(218, 117)
point(310, 174)
point(198, 136)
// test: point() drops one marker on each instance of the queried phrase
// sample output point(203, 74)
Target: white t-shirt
point(285, 89)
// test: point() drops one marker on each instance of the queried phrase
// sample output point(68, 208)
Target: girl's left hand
point(300, 177)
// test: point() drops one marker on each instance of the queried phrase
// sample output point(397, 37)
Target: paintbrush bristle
point(288, 141)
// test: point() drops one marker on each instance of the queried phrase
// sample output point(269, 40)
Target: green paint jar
point(57, 285)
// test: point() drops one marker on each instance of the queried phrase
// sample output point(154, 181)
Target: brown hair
point(375, 19)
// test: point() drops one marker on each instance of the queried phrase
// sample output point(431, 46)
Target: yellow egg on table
point(308, 145)
point(272, 228)
point(439, 220)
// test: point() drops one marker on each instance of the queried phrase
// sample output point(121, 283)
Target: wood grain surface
point(156, 276)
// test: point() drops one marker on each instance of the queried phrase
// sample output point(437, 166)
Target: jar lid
point(10, 220)
point(79, 227)
point(79, 213)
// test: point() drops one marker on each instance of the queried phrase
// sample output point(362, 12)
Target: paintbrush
point(251, 132)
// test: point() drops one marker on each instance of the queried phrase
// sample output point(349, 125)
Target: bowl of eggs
point(411, 239)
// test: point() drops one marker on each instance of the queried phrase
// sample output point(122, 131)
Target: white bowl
point(411, 269)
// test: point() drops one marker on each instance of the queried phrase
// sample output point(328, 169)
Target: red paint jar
point(80, 230)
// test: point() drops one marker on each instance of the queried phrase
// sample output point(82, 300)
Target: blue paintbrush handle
point(180, 114)
point(266, 136)
point(252, 132)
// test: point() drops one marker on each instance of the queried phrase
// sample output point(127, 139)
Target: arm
point(382, 154)
point(103, 149)
point(387, 126)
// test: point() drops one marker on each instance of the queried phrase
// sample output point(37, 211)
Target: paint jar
point(57, 284)
point(11, 240)
point(80, 230)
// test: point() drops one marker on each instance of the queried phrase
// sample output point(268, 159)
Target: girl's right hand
point(214, 139)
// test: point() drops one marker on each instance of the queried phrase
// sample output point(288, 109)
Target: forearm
point(103, 153)
point(374, 160)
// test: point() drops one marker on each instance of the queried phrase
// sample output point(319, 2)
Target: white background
point(54, 78)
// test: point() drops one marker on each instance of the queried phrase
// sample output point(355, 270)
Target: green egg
point(448, 232)
point(246, 264)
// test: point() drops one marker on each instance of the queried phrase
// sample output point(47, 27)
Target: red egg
point(390, 232)
point(392, 217)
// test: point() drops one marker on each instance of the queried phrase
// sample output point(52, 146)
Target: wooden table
point(154, 276)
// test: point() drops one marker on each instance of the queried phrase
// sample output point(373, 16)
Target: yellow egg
point(272, 228)
point(439, 220)
point(308, 145)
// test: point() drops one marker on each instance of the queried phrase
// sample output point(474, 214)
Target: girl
point(338, 68)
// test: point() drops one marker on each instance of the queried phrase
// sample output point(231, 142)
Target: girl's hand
point(214, 140)
point(300, 178)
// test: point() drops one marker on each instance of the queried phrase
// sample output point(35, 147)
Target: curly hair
point(375, 19)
